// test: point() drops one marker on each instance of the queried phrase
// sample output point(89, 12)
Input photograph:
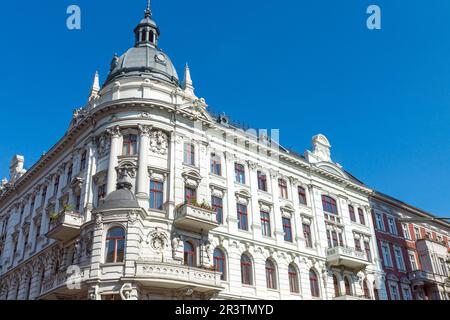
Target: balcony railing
point(164, 275)
point(64, 281)
point(195, 218)
point(350, 297)
point(347, 257)
point(426, 277)
point(65, 226)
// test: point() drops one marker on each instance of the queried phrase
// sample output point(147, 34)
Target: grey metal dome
point(145, 58)
point(141, 61)
point(119, 199)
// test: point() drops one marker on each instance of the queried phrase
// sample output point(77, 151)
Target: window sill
point(113, 264)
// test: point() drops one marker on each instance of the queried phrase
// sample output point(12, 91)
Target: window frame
point(262, 181)
point(239, 173)
point(301, 191)
point(189, 257)
point(361, 216)
point(287, 228)
point(329, 203)
point(116, 246)
point(314, 284)
point(271, 275)
point(283, 189)
point(156, 197)
point(246, 270)
point(218, 208)
point(216, 164)
point(293, 279)
point(265, 223)
point(242, 216)
point(351, 211)
point(220, 260)
point(189, 154)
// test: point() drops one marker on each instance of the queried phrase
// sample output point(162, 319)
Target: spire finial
point(148, 10)
point(188, 84)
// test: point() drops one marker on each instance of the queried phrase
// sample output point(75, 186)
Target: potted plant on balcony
point(54, 216)
point(66, 208)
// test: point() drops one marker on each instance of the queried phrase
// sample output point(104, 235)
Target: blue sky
point(304, 67)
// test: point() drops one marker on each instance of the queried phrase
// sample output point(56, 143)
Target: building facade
point(149, 196)
point(414, 250)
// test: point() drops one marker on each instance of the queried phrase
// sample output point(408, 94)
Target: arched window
point(151, 36)
point(129, 145)
point(271, 276)
point(115, 245)
point(189, 154)
point(314, 283)
point(219, 263)
point(189, 254)
point(216, 165)
point(348, 289)
point(337, 290)
point(329, 205)
point(366, 290)
point(293, 279)
point(282, 186)
point(246, 270)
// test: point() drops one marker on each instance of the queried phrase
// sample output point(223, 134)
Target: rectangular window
point(379, 221)
point(239, 172)
point(216, 166)
point(69, 174)
point(265, 224)
point(78, 203)
point(156, 194)
point(32, 205)
point(362, 220)
point(262, 181)
point(101, 193)
point(417, 233)
point(282, 186)
point(412, 260)
point(190, 195)
point(218, 208)
point(351, 210)
point(394, 292)
point(386, 254)
point(307, 235)
point(406, 231)
point(407, 293)
point(391, 224)
point(189, 154)
point(56, 186)
point(302, 196)
point(358, 245)
point(329, 205)
point(129, 147)
point(44, 195)
point(399, 258)
point(287, 228)
point(242, 217)
point(367, 250)
point(83, 161)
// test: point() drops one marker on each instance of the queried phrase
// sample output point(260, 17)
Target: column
point(142, 178)
point(87, 193)
point(113, 154)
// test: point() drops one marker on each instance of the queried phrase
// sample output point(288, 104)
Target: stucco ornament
point(103, 145)
point(158, 142)
point(157, 240)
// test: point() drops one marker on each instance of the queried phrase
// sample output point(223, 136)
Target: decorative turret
point(16, 169)
point(147, 32)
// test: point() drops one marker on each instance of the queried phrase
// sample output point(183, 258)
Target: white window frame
point(379, 220)
point(406, 233)
point(399, 258)
point(392, 227)
point(386, 254)
point(417, 232)
point(406, 293)
point(413, 260)
point(396, 290)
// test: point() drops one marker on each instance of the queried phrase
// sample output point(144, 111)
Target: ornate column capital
point(114, 132)
point(144, 130)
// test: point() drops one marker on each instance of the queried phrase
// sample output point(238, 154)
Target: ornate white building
point(147, 196)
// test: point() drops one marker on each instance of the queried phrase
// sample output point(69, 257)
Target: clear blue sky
point(381, 97)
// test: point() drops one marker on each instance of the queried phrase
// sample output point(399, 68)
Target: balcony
point(195, 218)
point(421, 277)
point(64, 282)
point(347, 257)
point(163, 275)
point(65, 226)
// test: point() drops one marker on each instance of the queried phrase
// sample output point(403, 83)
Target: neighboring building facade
point(147, 196)
point(414, 249)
